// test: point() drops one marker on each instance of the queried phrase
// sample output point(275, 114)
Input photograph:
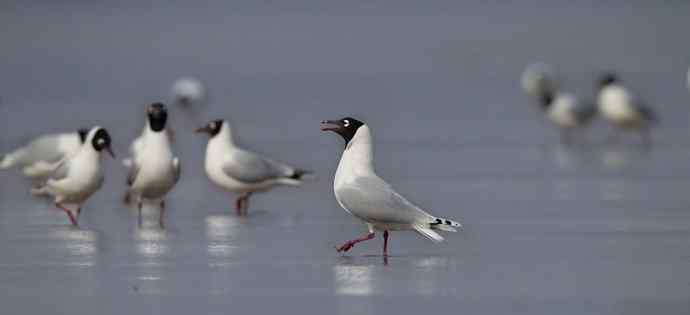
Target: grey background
point(591, 229)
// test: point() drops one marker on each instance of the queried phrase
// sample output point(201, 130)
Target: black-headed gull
point(564, 110)
point(153, 168)
point(369, 198)
point(621, 108)
point(240, 171)
point(40, 157)
point(80, 175)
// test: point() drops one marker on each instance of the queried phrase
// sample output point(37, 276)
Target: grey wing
point(133, 172)
point(44, 148)
point(251, 168)
point(372, 199)
point(61, 171)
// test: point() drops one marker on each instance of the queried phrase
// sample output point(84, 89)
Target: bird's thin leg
point(238, 206)
point(78, 212)
point(245, 204)
point(385, 243)
point(161, 216)
point(139, 219)
point(69, 214)
point(349, 244)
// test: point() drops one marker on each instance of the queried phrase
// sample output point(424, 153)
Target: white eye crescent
point(213, 125)
point(100, 141)
point(346, 123)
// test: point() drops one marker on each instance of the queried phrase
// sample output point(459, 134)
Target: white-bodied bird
point(621, 108)
point(153, 168)
point(80, 175)
point(369, 198)
point(187, 92)
point(242, 172)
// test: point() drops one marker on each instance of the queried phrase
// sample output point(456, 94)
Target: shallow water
point(595, 228)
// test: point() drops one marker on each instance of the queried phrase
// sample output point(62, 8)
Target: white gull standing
point(622, 109)
point(369, 198)
point(80, 175)
point(240, 171)
point(153, 168)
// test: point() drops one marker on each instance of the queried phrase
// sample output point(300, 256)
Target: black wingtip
point(299, 174)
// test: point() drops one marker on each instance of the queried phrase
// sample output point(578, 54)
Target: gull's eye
point(346, 123)
point(100, 141)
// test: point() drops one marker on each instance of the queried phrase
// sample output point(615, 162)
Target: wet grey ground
point(596, 228)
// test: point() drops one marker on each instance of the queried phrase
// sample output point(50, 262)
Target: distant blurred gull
point(80, 175)
point(40, 157)
point(621, 108)
point(366, 196)
point(538, 79)
point(153, 168)
point(564, 110)
point(241, 171)
point(188, 92)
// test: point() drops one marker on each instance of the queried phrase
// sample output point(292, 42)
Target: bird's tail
point(299, 176)
point(427, 229)
point(13, 159)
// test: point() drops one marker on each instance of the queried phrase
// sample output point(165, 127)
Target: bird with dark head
point(346, 127)
point(212, 128)
point(157, 116)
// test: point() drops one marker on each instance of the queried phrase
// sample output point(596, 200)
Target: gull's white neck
point(223, 140)
point(358, 157)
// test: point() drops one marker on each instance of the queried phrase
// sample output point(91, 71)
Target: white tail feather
point(428, 233)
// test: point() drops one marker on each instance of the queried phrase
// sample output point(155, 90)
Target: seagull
point(617, 105)
point(80, 175)
point(369, 198)
point(187, 91)
point(153, 168)
point(40, 157)
point(241, 171)
point(563, 109)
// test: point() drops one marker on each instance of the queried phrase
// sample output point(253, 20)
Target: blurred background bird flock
point(138, 154)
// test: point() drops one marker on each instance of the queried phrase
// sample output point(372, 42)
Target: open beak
point(330, 125)
point(110, 151)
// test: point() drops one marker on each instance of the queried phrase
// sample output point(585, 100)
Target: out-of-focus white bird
point(153, 168)
point(564, 110)
point(622, 109)
point(40, 157)
point(79, 175)
point(188, 92)
point(241, 171)
point(369, 198)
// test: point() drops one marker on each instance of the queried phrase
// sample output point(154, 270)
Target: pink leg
point(69, 214)
point(385, 243)
point(161, 222)
point(349, 244)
